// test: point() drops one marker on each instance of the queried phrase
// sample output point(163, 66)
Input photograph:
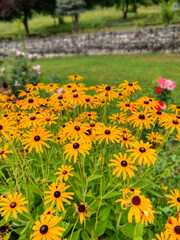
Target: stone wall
point(135, 41)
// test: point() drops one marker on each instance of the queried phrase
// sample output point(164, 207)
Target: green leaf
point(127, 230)
point(85, 235)
point(138, 230)
point(138, 238)
point(104, 213)
point(113, 194)
point(94, 176)
point(80, 183)
point(76, 234)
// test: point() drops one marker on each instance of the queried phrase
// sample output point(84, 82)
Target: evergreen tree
point(72, 8)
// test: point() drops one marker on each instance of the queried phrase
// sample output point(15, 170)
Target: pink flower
point(19, 53)
point(162, 105)
point(2, 69)
point(170, 85)
point(37, 68)
point(162, 82)
point(30, 56)
point(60, 90)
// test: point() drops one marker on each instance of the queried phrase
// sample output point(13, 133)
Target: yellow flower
point(175, 199)
point(163, 236)
point(82, 211)
point(75, 77)
point(58, 195)
point(12, 204)
point(123, 165)
point(165, 188)
point(64, 172)
point(46, 229)
point(173, 229)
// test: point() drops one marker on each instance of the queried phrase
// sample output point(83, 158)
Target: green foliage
point(69, 7)
point(166, 13)
point(18, 71)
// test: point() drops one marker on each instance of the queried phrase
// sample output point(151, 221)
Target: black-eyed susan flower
point(73, 149)
point(141, 119)
point(75, 77)
point(12, 204)
point(123, 165)
point(117, 118)
point(126, 140)
point(76, 130)
point(110, 133)
point(6, 126)
point(4, 230)
point(143, 153)
point(127, 191)
point(30, 103)
point(139, 204)
point(130, 86)
point(162, 236)
point(173, 229)
point(154, 137)
point(126, 105)
point(34, 86)
point(175, 108)
point(36, 139)
point(46, 229)
point(82, 211)
point(49, 212)
point(175, 199)
point(64, 172)
point(172, 123)
point(107, 92)
point(52, 87)
point(4, 150)
point(58, 195)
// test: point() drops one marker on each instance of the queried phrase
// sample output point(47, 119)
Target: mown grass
point(113, 69)
point(99, 19)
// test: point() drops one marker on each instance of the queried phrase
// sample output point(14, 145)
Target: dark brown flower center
point(88, 132)
point(32, 118)
point(177, 229)
point(108, 88)
point(132, 189)
point(1, 127)
point(34, 84)
point(77, 128)
point(89, 114)
point(48, 213)
point(58, 138)
point(1, 152)
point(27, 91)
point(48, 119)
point(37, 138)
point(5, 115)
point(81, 208)
point(127, 105)
point(43, 229)
point(13, 204)
point(123, 163)
point(146, 102)
point(64, 172)
point(76, 145)
point(57, 194)
point(60, 97)
point(124, 138)
point(74, 90)
point(136, 200)
point(92, 125)
point(178, 199)
point(158, 112)
point(142, 149)
point(178, 106)
point(175, 121)
point(120, 94)
point(87, 100)
point(30, 100)
point(75, 95)
point(142, 116)
point(130, 84)
point(107, 132)
point(69, 86)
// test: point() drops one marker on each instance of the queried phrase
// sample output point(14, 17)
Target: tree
point(72, 8)
point(23, 9)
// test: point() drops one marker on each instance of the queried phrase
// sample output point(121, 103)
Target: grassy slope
point(90, 21)
point(113, 69)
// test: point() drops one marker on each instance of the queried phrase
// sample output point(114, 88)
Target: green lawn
point(113, 69)
point(99, 19)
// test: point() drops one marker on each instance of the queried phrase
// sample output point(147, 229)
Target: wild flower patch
point(85, 163)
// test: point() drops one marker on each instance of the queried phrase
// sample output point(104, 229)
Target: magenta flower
point(37, 68)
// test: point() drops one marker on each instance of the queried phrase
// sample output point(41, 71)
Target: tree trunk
point(76, 22)
point(61, 20)
point(126, 9)
point(25, 22)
